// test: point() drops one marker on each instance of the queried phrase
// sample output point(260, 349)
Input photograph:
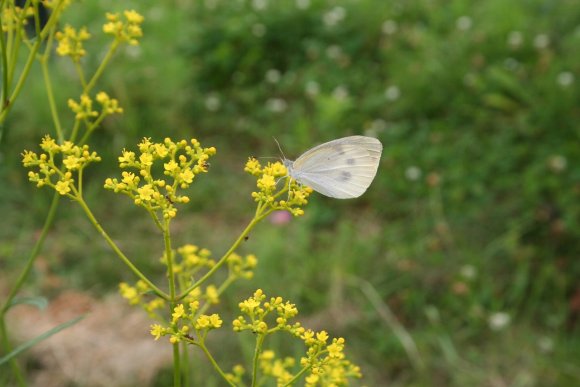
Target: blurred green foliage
point(476, 207)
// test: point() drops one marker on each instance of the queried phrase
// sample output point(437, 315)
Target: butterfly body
point(343, 168)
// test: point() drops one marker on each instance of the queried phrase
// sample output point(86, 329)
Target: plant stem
point(257, 352)
point(214, 363)
point(224, 258)
point(21, 279)
point(102, 66)
point(176, 366)
point(122, 256)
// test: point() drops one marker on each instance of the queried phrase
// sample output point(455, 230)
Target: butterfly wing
point(342, 168)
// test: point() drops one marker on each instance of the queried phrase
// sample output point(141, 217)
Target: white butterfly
point(342, 168)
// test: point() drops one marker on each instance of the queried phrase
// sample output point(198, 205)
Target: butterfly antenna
point(280, 148)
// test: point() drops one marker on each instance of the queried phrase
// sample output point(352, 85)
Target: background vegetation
point(467, 243)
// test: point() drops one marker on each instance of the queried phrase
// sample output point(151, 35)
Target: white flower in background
point(312, 88)
point(259, 5)
point(541, 41)
point(258, 30)
point(511, 64)
point(515, 39)
point(212, 103)
point(334, 16)
point(133, 51)
point(378, 125)
point(498, 321)
point(302, 4)
point(546, 344)
point(211, 4)
point(565, 78)
point(463, 23)
point(413, 173)
point(392, 93)
point(389, 27)
point(334, 51)
point(340, 93)
point(273, 76)
point(557, 163)
point(276, 105)
point(468, 272)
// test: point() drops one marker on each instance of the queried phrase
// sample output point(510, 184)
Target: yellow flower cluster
point(326, 362)
point(268, 194)
point(14, 17)
point(235, 377)
point(182, 319)
point(242, 267)
point(257, 310)
point(182, 161)
point(136, 296)
point(56, 166)
point(278, 369)
point(127, 30)
point(84, 107)
point(70, 42)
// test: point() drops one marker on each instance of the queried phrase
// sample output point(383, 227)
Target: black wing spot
point(351, 161)
point(339, 149)
point(345, 176)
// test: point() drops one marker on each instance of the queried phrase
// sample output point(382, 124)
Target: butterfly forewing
point(342, 168)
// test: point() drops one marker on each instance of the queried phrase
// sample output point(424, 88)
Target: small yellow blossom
point(208, 322)
point(70, 42)
point(178, 312)
point(128, 30)
point(157, 331)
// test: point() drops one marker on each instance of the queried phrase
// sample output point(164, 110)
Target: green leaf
point(40, 302)
point(30, 343)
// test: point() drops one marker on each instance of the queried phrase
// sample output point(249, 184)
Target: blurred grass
point(475, 210)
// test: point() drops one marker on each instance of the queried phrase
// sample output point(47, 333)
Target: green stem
point(102, 66)
point(20, 282)
point(7, 348)
point(51, 101)
point(35, 250)
point(176, 366)
point(224, 258)
point(119, 253)
point(169, 257)
point(4, 54)
point(297, 376)
point(21, 80)
point(214, 363)
point(257, 352)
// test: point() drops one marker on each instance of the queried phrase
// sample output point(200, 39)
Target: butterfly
point(342, 168)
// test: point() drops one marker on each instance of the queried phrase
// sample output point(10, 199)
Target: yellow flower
point(171, 166)
point(208, 322)
point(71, 162)
point(253, 167)
point(322, 336)
point(126, 158)
point(186, 176)
point(146, 160)
point(63, 187)
point(129, 293)
point(146, 192)
point(178, 312)
point(157, 331)
point(212, 295)
point(133, 17)
point(70, 42)
point(266, 183)
point(124, 31)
